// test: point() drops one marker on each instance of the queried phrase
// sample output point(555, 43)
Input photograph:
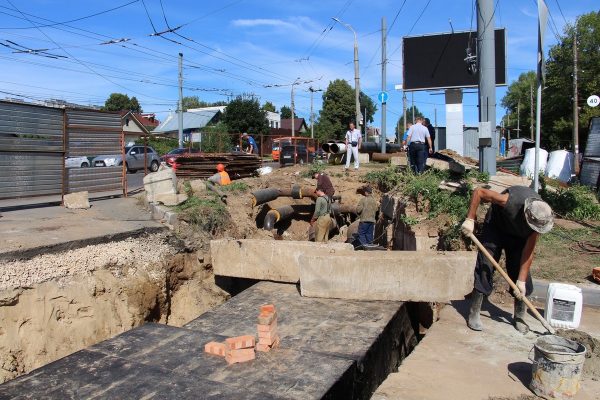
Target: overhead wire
point(414, 25)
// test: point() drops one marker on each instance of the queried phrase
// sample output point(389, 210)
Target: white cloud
point(251, 23)
point(528, 13)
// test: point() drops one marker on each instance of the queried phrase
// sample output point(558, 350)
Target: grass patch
point(385, 179)
point(576, 202)
point(482, 177)
point(556, 248)
point(208, 214)
point(315, 167)
point(235, 187)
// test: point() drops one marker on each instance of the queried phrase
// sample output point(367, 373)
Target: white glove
point(522, 288)
point(467, 227)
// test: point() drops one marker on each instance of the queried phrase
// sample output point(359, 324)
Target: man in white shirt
point(353, 141)
point(419, 145)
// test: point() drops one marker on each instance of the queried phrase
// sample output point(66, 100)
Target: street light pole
point(312, 118)
point(292, 106)
point(356, 73)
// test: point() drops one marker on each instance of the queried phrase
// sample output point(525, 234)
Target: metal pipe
point(337, 148)
point(263, 196)
point(211, 186)
point(372, 147)
point(343, 209)
point(325, 146)
point(276, 215)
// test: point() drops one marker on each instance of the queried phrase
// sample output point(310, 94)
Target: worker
point(419, 145)
point(513, 223)
point(321, 219)
point(324, 182)
point(221, 178)
point(252, 147)
point(405, 137)
point(366, 209)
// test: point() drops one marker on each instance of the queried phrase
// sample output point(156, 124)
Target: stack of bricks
point(267, 328)
point(235, 350)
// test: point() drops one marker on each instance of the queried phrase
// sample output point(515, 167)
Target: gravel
point(123, 257)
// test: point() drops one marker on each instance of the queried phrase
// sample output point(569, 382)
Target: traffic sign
point(383, 97)
point(593, 101)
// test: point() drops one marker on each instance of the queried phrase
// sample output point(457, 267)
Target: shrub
point(576, 202)
point(385, 179)
point(314, 168)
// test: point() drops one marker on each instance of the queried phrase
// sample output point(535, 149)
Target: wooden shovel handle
point(511, 283)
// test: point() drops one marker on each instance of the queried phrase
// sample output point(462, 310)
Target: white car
point(77, 162)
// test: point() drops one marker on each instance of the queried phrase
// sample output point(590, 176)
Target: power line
point(561, 12)
point(76, 19)
point(413, 26)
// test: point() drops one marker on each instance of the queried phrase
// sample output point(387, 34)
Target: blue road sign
point(383, 97)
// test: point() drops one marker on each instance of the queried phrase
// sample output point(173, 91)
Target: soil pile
point(591, 366)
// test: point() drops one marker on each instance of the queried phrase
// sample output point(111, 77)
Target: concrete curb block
point(591, 295)
point(164, 214)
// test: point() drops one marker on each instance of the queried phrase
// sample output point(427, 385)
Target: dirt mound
point(591, 367)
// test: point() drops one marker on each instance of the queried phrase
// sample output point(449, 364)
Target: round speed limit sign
point(593, 101)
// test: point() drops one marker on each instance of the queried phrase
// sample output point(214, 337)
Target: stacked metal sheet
point(238, 165)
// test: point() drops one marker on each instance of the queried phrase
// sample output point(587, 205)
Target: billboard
point(438, 61)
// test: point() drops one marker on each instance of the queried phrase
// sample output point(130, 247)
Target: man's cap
point(220, 167)
point(538, 215)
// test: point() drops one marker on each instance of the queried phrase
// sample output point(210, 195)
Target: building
point(193, 121)
point(300, 125)
point(274, 120)
point(133, 128)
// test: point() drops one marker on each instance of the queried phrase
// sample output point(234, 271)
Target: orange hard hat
point(220, 167)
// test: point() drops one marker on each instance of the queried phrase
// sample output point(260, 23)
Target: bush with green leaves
point(385, 179)
point(315, 167)
point(576, 202)
point(209, 214)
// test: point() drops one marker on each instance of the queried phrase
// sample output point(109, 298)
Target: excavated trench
point(52, 305)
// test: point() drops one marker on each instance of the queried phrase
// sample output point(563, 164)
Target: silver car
point(134, 159)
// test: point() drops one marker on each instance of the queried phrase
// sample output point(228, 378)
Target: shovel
point(512, 284)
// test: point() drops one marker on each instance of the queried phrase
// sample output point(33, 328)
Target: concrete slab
point(454, 362)
point(26, 233)
point(329, 350)
point(274, 260)
point(401, 276)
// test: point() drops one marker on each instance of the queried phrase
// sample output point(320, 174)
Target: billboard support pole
point(487, 82)
point(383, 136)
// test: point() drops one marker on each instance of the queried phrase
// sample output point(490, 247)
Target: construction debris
point(268, 337)
point(237, 165)
point(76, 200)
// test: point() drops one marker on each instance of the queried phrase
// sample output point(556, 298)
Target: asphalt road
point(135, 181)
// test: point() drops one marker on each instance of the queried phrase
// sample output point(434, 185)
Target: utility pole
point(542, 21)
point(404, 109)
point(312, 120)
point(518, 118)
point(292, 106)
point(383, 83)
point(487, 84)
point(575, 105)
point(180, 116)
point(531, 111)
point(412, 100)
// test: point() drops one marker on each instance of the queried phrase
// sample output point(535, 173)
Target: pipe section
point(263, 196)
point(276, 215)
point(343, 209)
point(337, 148)
point(372, 147)
point(326, 146)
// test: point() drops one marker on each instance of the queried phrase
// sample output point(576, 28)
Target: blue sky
point(241, 46)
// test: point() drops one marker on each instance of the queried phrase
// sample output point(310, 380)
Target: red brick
point(267, 308)
point(596, 274)
point(263, 347)
point(268, 341)
point(267, 328)
point(266, 318)
point(240, 352)
point(240, 342)
point(267, 335)
point(216, 348)
point(239, 356)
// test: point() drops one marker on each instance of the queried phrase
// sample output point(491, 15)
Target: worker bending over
point(321, 216)
point(366, 209)
point(221, 178)
point(513, 223)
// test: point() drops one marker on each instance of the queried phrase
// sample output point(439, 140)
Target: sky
point(238, 47)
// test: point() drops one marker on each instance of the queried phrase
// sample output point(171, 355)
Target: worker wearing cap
point(321, 218)
point(252, 147)
point(366, 209)
point(221, 177)
point(513, 223)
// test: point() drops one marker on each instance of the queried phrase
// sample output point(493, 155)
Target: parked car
point(298, 154)
point(172, 155)
point(77, 162)
point(134, 159)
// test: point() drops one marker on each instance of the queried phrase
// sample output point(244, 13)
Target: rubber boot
point(474, 321)
point(519, 317)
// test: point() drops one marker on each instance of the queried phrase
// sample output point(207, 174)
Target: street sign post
point(383, 97)
point(593, 101)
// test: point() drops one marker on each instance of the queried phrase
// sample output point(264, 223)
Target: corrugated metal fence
point(590, 171)
point(34, 141)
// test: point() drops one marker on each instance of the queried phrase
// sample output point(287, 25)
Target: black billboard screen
point(438, 61)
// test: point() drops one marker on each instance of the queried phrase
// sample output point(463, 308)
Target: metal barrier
point(36, 141)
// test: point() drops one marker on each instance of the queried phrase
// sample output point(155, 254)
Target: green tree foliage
point(409, 118)
point(195, 102)
point(216, 139)
point(557, 100)
point(122, 102)
point(286, 113)
point(244, 114)
point(518, 97)
point(339, 110)
point(268, 106)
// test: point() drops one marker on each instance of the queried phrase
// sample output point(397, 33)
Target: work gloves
point(468, 227)
point(522, 289)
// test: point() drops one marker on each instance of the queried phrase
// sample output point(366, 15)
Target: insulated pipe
point(326, 146)
point(343, 209)
point(337, 148)
point(276, 215)
point(263, 196)
point(372, 147)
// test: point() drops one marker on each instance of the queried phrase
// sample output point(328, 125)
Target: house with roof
point(193, 121)
point(133, 128)
point(300, 125)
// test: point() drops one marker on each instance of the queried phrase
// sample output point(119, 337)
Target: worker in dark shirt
point(513, 223)
point(367, 210)
point(431, 130)
point(324, 182)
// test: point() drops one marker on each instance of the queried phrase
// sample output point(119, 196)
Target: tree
point(339, 109)
point(244, 114)
point(195, 102)
point(268, 106)
point(409, 118)
point(518, 97)
point(286, 113)
point(122, 102)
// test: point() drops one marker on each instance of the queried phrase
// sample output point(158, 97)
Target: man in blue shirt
point(252, 147)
